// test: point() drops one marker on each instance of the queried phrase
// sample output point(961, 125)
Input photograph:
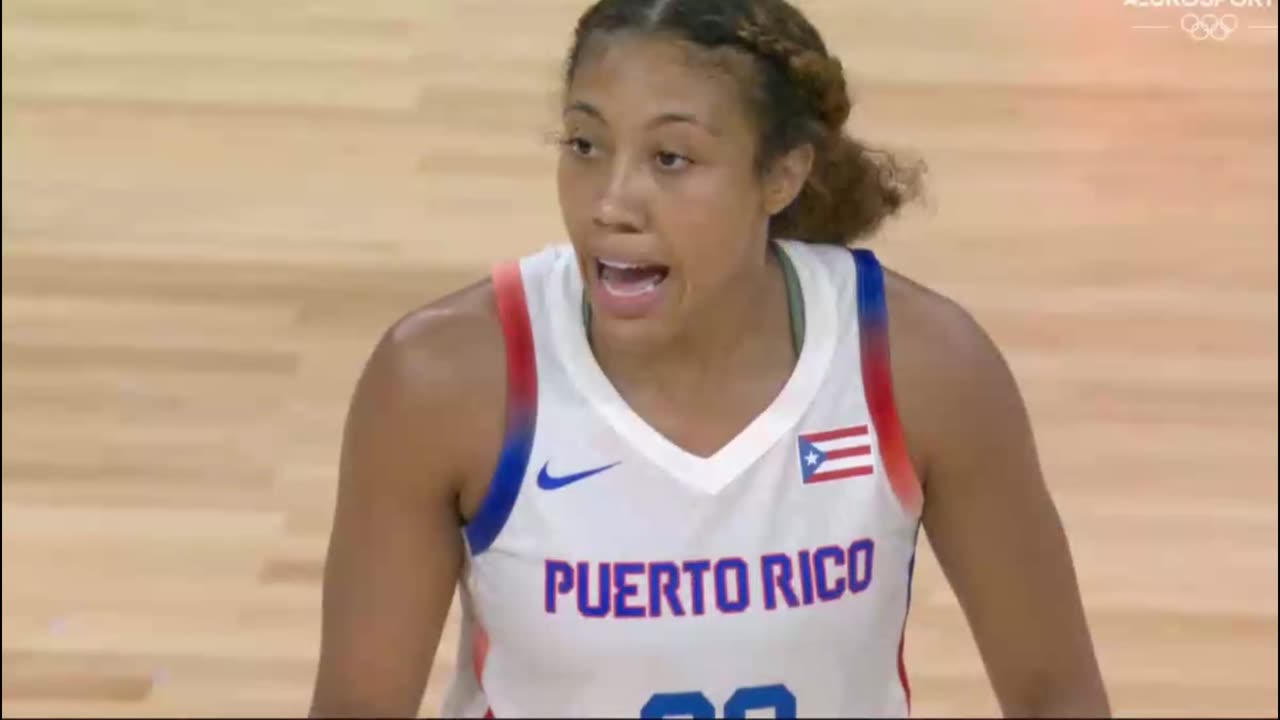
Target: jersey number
point(696, 705)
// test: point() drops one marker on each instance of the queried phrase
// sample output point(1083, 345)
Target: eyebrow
point(663, 119)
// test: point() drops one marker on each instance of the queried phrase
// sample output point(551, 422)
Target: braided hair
point(797, 94)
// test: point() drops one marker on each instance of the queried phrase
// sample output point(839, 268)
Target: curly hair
point(797, 94)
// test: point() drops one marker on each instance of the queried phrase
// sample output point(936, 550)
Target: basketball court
point(212, 210)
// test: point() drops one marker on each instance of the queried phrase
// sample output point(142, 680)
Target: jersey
point(611, 573)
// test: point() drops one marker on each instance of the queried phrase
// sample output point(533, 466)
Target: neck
point(745, 330)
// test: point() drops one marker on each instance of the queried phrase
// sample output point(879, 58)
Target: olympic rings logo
point(1203, 27)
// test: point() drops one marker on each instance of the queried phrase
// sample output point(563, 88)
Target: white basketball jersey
point(611, 573)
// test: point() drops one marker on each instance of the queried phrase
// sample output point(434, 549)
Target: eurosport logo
point(1191, 4)
point(1223, 19)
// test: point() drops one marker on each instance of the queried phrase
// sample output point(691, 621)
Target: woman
point(672, 464)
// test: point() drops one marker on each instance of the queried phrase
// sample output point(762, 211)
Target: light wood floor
point(212, 209)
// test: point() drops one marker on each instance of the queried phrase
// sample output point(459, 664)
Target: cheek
point(713, 209)
point(711, 221)
point(574, 190)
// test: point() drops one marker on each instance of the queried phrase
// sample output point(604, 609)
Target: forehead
point(647, 74)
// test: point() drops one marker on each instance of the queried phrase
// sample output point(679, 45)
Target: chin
point(649, 331)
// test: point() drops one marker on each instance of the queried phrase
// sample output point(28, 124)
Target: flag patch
point(836, 454)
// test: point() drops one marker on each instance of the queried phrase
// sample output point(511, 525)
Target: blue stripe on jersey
point(503, 490)
point(871, 301)
point(522, 410)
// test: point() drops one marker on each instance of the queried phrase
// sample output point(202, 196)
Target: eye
point(672, 161)
point(579, 146)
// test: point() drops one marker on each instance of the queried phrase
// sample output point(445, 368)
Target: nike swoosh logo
point(547, 481)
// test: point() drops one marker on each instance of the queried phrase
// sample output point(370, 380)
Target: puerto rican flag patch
point(837, 454)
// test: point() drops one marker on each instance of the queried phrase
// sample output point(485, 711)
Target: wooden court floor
point(212, 209)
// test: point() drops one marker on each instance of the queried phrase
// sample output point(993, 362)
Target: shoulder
point(433, 390)
point(439, 350)
point(924, 319)
point(950, 379)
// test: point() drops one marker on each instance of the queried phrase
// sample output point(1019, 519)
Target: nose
point(619, 208)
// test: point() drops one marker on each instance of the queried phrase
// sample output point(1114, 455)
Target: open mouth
point(624, 279)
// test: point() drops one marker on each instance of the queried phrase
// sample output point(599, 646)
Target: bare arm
point(995, 530)
point(396, 549)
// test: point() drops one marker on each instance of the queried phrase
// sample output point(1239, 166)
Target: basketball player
point(673, 464)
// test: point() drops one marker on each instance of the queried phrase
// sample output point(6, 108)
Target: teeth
point(631, 290)
point(618, 265)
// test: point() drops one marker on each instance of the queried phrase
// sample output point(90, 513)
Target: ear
point(786, 178)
